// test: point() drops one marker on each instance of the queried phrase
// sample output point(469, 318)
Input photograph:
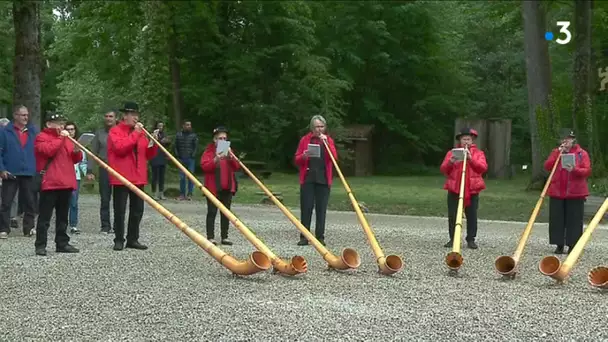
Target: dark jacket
point(17, 159)
point(186, 144)
point(99, 146)
point(160, 158)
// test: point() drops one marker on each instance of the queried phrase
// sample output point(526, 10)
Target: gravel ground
point(176, 292)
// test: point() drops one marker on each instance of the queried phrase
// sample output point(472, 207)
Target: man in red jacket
point(474, 184)
point(128, 153)
point(316, 176)
point(55, 159)
point(567, 192)
point(221, 181)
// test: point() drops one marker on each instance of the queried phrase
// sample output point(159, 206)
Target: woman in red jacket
point(567, 192)
point(315, 176)
point(55, 159)
point(474, 184)
point(128, 153)
point(221, 181)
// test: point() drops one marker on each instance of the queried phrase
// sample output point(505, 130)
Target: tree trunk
point(582, 67)
point(176, 81)
point(538, 74)
point(27, 63)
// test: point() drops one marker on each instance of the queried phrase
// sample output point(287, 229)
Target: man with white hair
point(17, 169)
point(15, 205)
point(316, 173)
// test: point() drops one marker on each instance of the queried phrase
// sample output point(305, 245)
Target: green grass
point(418, 196)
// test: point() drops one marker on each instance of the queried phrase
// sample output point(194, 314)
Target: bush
point(599, 187)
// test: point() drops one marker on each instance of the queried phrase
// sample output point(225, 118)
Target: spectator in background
point(15, 205)
point(99, 146)
point(159, 163)
point(186, 144)
point(80, 169)
point(567, 193)
point(17, 169)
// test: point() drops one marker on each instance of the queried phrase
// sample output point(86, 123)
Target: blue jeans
point(73, 218)
point(189, 164)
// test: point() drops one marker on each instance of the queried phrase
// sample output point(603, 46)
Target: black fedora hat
point(220, 129)
point(467, 131)
point(566, 133)
point(52, 116)
point(130, 107)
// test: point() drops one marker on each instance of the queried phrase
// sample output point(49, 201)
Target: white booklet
point(458, 153)
point(568, 159)
point(222, 147)
point(86, 138)
point(314, 150)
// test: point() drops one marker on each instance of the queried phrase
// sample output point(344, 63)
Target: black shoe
point(472, 245)
point(67, 249)
point(322, 241)
point(118, 246)
point(226, 242)
point(569, 249)
point(212, 241)
point(559, 250)
point(136, 245)
point(303, 242)
point(449, 244)
point(41, 251)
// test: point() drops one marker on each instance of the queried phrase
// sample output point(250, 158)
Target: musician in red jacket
point(221, 181)
point(128, 153)
point(316, 176)
point(567, 192)
point(474, 184)
point(55, 159)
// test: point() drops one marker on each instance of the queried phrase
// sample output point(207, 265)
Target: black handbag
point(37, 181)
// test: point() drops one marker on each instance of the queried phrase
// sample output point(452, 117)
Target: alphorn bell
point(598, 277)
point(454, 259)
point(506, 265)
point(298, 264)
point(350, 258)
point(257, 262)
point(387, 265)
point(551, 266)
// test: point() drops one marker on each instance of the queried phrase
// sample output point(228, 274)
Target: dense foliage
point(264, 68)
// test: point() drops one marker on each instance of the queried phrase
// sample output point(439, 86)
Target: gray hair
point(316, 117)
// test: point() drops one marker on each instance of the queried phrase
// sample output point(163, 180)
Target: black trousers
point(226, 198)
point(105, 193)
point(565, 221)
point(158, 177)
point(136, 212)
point(470, 212)
point(26, 200)
point(58, 200)
point(314, 196)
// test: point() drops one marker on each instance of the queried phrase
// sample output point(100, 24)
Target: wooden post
point(499, 148)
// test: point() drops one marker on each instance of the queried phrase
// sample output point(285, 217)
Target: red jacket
point(569, 185)
point(60, 174)
point(476, 167)
point(220, 175)
point(302, 162)
point(128, 154)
